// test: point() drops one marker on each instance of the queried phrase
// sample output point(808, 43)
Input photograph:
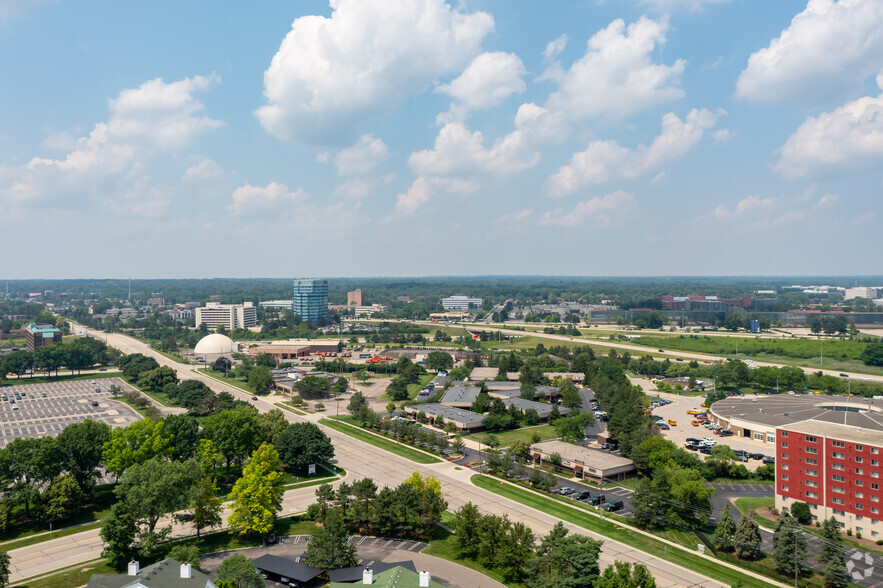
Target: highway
point(359, 460)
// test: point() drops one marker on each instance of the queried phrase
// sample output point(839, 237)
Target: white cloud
point(691, 5)
point(204, 170)
point(358, 188)
point(329, 74)
point(424, 188)
point(514, 219)
point(617, 75)
point(598, 213)
point(323, 157)
point(361, 158)
point(723, 135)
point(555, 47)
point(457, 150)
point(746, 206)
point(488, 80)
point(605, 160)
point(247, 198)
point(827, 52)
point(144, 123)
point(850, 137)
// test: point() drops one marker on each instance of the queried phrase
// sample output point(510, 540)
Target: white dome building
point(215, 345)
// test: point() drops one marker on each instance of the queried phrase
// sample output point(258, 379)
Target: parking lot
point(679, 433)
point(46, 409)
point(609, 494)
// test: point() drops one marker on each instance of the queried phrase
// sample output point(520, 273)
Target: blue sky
point(418, 137)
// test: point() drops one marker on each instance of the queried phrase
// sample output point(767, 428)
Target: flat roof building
point(354, 298)
point(310, 299)
point(232, 316)
point(283, 350)
point(163, 574)
point(460, 396)
point(544, 410)
point(41, 335)
point(483, 373)
point(461, 303)
point(276, 304)
point(464, 419)
point(583, 461)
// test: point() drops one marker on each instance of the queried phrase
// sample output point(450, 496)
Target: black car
point(664, 427)
point(705, 449)
point(769, 460)
point(94, 403)
point(581, 495)
point(613, 506)
point(661, 350)
point(842, 375)
point(757, 456)
point(725, 434)
point(691, 447)
point(610, 446)
point(692, 440)
point(597, 499)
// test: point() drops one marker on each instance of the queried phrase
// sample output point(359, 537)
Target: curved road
point(359, 460)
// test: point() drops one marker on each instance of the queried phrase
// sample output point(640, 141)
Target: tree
point(439, 360)
point(329, 546)
point(312, 386)
point(569, 395)
point(747, 540)
point(260, 379)
point(156, 379)
point(79, 446)
point(789, 545)
point(63, 499)
point(625, 575)
point(4, 569)
point(119, 531)
point(186, 553)
point(357, 403)
point(183, 432)
point(566, 560)
point(157, 488)
point(466, 521)
point(725, 530)
point(873, 354)
point(265, 360)
point(206, 505)
point(135, 444)
point(831, 555)
point(570, 429)
point(234, 433)
point(25, 466)
point(801, 512)
point(240, 572)
point(302, 444)
point(272, 424)
point(257, 495)
point(222, 364)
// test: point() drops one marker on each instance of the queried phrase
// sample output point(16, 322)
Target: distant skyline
point(424, 138)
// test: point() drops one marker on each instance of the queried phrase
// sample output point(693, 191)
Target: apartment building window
point(812, 484)
point(875, 450)
point(875, 474)
point(838, 489)
point(812, 473)
point(838, 466)
point(874, 462)
point(812, 495)
point(837, 455)
point(875, 486)
point(838, 501)
point(859, 460)
point(812, 450)
point(859, 447)
point(784, 446)
point(784, 476)
point(784, 466)
point(859, 483)
point(875, 498)
point(811, 461)
point(770, 438)
point(837, 478)
point(875, 510)
point(838, 444)
point(784, 433)
point(859, 506)
point(810, 439)
point(784, 456)
point(758, 436)
point(841, 513)
point(859, 494)
point(859, 471)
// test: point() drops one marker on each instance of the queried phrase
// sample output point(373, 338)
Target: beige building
point(583, 461)
point(232, 316)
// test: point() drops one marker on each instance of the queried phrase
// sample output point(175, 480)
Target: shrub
point(801, 512)
point(319, 406)
point(297, 400)
point(858, 534)
point(849, 532)
point(879, 541)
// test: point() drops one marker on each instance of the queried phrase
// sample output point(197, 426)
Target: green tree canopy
point(329, 547)
point(302, 444)
point(257, 495)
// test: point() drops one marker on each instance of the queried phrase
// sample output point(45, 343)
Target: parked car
point(613, 506)
point(94, 403)
point(597, 500)
point(705, 449)
point(769, 460)
point(581, 495)
point(566, 491)
point(692, 440)
point(664, 427)
point(725, 434)
point(757, 456)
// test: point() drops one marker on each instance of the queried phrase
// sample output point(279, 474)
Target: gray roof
point(281, 566)
point(163, 574)
point(597, 461)
point(542, 409)
point(460, 395)
point(777, 410)
point(355, 574)
point(466, 417)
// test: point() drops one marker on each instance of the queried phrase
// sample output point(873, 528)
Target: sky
point(424, 137)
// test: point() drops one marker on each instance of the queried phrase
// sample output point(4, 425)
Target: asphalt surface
point(359, 460)
point(65, 403)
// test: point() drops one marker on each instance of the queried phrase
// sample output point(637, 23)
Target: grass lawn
point(140, 410)
point(750, 504)
point(69, 579)
point(506, 438)
point(700, 564)
point(27, 380)
point(289, 408)
point(444, 545)
point(235, 382)
point(384, 443)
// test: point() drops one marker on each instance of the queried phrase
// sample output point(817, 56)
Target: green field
point(700, 564)
point(521, 434)
point(380, 442)
point(28, 380)
point(234, 382)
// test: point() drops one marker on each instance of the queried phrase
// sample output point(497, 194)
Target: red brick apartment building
point(832, 463)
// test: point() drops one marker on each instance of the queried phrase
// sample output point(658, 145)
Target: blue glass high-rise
point(310, 299)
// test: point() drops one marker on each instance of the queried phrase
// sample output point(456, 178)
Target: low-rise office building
point(284, 350)
point(460, 396)
point(41, 335)
point(463, 419)
point(583, 461)
point(232, 316)
point(461, 303)
point(544, 410)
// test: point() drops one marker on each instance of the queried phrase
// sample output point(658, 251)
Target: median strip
point(380, 442)
point(628, 536)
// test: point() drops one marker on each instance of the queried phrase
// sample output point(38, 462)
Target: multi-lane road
point(359, 460)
